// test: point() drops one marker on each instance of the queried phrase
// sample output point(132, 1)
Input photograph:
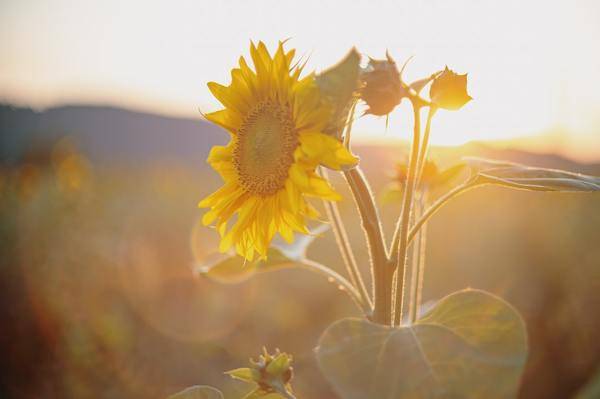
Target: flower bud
point(271, 373)
point(382, 88)
point(449, 90)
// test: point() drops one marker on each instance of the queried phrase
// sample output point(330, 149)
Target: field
point(99, 298)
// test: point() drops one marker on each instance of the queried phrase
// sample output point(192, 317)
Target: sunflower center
point(265, 148)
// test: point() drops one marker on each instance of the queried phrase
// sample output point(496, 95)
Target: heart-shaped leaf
point(233, 269)
point(198, 392)
point(471, 345)
point(531, 178)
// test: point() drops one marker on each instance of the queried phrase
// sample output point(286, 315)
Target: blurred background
point(102, 163)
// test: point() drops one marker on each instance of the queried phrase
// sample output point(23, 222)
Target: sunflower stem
point(424, 146)
point(371, 224)
point(418, 263)
point(404, 220)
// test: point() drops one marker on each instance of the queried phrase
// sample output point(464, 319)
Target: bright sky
point(534, 66)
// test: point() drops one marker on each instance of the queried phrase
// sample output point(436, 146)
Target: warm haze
point(533, 65)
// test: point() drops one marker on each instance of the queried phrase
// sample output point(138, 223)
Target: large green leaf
point(233, 269)
point(338, 85)
point(198, 392)
point(531, 178)
point(472, 344)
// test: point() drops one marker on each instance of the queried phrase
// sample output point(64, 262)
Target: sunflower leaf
point(233, 269)
point(471, 344)
point(198, 392)
point(524, 177)
point(338, 85)
point(226, 269)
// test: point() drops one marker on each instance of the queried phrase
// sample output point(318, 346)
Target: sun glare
point(525, 76)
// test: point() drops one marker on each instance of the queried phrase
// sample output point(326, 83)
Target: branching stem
point(424, 145)
point(402, 228)
point(371, 225)
point(418, 264)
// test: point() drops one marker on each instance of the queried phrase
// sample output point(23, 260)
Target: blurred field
point(98, 299)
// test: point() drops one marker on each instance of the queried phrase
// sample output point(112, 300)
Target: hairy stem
point(424, 145)
point(418, 264)
point(337, 278)
point(341, 237)
point(371, 225)
point(438, 204)
point(420, 272)
point(402, 228)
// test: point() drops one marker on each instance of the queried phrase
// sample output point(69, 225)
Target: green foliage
point(470, 345)
point(530, 178)
point(339, 85)
point(270, 376)
point(198, 392)
point(233, 269)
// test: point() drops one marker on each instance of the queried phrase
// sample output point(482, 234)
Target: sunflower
point(275, 120)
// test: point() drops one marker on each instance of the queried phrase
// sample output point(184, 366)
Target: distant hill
point(448, 155)
point(109, 135)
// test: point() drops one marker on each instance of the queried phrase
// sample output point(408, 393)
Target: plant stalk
point(402, 227)
point(424, 145)
point(418, 263)
point(371, 224)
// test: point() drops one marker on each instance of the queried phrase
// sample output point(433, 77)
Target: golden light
point(532, 65)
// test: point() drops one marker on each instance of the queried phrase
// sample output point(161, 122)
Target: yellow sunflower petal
point(223, 94)
point(224, 118)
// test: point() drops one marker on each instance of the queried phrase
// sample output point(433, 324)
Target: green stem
point(402, 228)
point(418, 264)
point(371, 224)
point(424, 145)
point(420, 272)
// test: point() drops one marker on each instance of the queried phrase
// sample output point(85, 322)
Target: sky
point(533, 65)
